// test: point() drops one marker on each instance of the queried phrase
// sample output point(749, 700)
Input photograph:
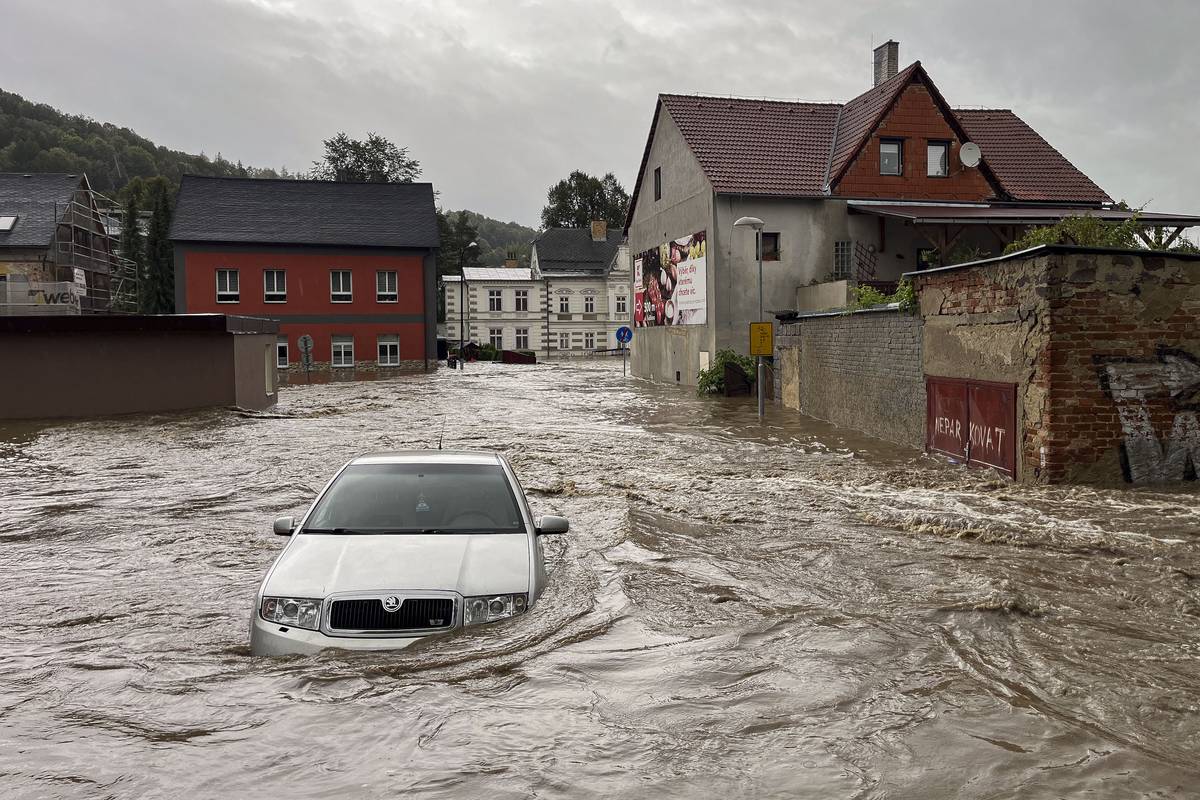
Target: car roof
point(431, 457)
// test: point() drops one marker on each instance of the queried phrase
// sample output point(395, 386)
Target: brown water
point(740, 611)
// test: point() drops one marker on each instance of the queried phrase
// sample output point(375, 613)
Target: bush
point(869, 297)
point(712, 380)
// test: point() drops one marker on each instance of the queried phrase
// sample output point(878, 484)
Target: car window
point(409, 498)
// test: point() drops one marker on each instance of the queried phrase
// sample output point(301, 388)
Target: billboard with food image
point(670, 283)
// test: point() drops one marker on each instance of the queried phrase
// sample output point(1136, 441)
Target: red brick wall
point(916, 119)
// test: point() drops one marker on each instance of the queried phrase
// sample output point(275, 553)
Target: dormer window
point(891, 156)
point(938, 159)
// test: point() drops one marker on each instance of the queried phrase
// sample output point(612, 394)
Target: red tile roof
point(793, 149)
point(1024, 162)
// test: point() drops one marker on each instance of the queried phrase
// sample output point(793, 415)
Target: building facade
point(855, 193)
point(350, 264)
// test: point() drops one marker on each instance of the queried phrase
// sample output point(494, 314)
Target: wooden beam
point(1171, 239)
point(1145, 237)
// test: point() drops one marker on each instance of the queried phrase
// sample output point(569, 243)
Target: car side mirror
point(284, 525)
point(550, 524)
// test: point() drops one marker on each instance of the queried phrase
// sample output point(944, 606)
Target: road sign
point(624, 334)
point(762, 339)
point(305, 343)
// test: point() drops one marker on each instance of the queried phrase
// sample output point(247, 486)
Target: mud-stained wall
point(859, 370)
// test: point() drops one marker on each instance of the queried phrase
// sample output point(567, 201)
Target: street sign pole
point(305, 343)
point(624, 336)
point(762, 344)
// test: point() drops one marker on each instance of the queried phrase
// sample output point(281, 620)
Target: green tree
point(157, 288)
point(578, 199)
point(456, 233)
point(133, 248)
point(371, 160)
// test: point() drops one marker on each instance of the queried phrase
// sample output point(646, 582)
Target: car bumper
point(268, 639)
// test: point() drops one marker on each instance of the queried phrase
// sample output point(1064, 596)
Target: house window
point(343, 351)
point(770, 246)
point(564, 304)
point(341, 289)
point(589, 340)
point(227, 286)
point(281, 352)
point(589, 304)
point(842, 254)
point(891, 157)
point(564, 341)
point(495, 300)
point(521, 299)
point(621, 304)
point(522, 342)
point(496, 337)
point(658, 183)
point(938, 154)
point(385, 287)
point(274, 286)
point(389, 349)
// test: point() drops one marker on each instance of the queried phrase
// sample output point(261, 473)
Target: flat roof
point(1048, 249)
point(927, 214)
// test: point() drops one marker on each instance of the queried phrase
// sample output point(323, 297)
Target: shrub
point(712, 380)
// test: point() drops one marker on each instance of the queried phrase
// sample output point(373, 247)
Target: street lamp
point(462, 286)
point(757, 224)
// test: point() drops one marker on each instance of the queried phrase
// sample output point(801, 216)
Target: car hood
point(316, 565)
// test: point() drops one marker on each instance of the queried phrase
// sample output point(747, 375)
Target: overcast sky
point(498, 100)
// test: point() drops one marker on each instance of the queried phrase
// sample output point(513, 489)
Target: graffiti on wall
point(1142, 388)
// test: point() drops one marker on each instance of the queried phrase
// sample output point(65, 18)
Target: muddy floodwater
point(740, 610)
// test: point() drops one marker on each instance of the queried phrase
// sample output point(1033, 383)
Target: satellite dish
point(969, 154)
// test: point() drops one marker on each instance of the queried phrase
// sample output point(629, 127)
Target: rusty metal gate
point(974, 421)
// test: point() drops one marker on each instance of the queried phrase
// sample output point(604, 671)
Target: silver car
point(403, 545)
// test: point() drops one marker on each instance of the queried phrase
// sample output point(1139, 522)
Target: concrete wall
point(823, 296)
point(859, 370)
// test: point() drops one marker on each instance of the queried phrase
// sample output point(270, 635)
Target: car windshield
point(418, 498)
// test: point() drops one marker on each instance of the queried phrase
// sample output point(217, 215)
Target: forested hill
point(37, 138)
point(497, 239)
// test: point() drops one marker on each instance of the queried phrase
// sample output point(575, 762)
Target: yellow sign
point(762, 339)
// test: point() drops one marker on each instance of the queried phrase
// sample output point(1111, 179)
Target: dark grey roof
point(564, 250)
point(38, 200)
point(277, 211)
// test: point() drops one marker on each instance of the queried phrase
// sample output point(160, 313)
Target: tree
point(577, 200)
point(372, 160)
point(157, 287)
point(133, 249)
point(456, 233)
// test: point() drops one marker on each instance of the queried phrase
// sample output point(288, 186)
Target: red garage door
point(974, 421)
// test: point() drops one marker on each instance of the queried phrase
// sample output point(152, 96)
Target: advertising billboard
point(670, 283)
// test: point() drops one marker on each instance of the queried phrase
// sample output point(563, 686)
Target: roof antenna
point(442, 434)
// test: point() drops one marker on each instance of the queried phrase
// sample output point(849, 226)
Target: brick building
point(350, 264)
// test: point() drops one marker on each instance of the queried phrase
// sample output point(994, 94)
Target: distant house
point(350, 264)
point(858, 192)
point(56, 255)
point(571, 299)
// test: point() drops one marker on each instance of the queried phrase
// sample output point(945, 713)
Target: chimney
point(599, 230)
point(887, 61)
point(510, 260)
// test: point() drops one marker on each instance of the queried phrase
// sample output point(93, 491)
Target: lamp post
point(757, 224)
point(462, 287)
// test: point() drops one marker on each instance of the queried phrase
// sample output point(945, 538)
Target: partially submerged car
point(398, 546)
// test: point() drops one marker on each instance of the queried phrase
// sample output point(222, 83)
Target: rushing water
point(740, 610)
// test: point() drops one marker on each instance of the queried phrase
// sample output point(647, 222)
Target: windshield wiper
point(340, 531)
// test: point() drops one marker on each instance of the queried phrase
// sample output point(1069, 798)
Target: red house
point(350, 264)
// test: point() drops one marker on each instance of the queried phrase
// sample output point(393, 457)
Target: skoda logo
point(391, 603)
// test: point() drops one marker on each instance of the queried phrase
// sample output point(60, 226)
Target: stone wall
point(861, 370)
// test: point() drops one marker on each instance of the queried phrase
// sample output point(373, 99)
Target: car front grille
point(368, 614)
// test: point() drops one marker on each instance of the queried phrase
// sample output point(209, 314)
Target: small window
point(589, 304)
point(281, 352)
point(227, 286)
point(522, 339)
point(521, 299)
point(385, 287)
point(496, 337)
point(341, 289)
point(389, 349)
point(770, 246)
point(658, 183)
point(564, 304)
point(7, 222)
point(621, 304)
point(939, 159)
point(495, 300)
point(564, 341)
point(343, 351)
point(589, 341)
point(274, 286)
point(891, 157)
point(841, 260)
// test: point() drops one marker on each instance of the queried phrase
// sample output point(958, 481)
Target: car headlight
point(297, 612)
point(493, 607)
